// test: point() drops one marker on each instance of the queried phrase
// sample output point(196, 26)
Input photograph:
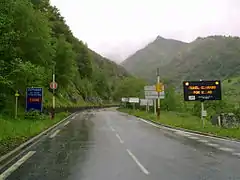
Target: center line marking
point(226, 149)
point(112, 128)
point(120, 139)
point(192, 137)
point(144, 170)
point(202, 141)
point(236, 154)
point(16, 165)
point(212, 145)
point(55, 133)
point(66, 123)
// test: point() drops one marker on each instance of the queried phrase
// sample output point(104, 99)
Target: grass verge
point(186, 121)
point(13, 132)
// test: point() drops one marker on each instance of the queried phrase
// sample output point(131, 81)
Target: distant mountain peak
point(177, 59)
point(160, 38)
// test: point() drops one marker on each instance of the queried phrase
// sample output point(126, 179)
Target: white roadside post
point(16, 104)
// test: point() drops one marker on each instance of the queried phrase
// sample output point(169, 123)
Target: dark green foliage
point(130, 87)
point(34, 42)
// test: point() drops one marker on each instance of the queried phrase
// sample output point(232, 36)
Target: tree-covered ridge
point(35, 41)
point(213, 57)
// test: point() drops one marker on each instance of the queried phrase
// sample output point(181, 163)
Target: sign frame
point(135, 98)
point(209, 90)
point(51, 85)
point(34, 106)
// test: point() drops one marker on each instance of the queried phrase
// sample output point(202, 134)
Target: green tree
point(130, 87)
point(64, 62)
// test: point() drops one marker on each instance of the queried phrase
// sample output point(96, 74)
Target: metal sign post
point(158, 90)
point(155, 110)
point(16, 104)
point(53, 86)
point(202, 113)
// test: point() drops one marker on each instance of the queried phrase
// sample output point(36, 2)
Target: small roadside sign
point(124, 99)
point(34, 99)
point(204, 113)
point(159, 87)
point(53, 85)
point(17, 94)
point(145, 102)
point(133, 100)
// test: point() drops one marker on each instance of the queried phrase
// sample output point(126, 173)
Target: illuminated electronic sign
point(202, 90)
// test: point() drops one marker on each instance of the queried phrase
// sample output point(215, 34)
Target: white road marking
point(226, 149)
point(236, 154)
point(212, 144)
point(144, 170)
point(55, 133)
point(16, 165)
point(73, 117)
point(190, 133)
point(192, 137)
point(202, 141)
point(120, 139)
point(149, 123)
point(112, 129)
point(66, 123)
point(182, 133)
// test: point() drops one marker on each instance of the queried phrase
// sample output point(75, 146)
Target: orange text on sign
point(202, 87)
point(202, 92)
point(34, 100)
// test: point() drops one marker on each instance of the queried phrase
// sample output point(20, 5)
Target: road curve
point(109, 145)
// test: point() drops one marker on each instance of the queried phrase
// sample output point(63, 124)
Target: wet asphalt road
point(109, 145)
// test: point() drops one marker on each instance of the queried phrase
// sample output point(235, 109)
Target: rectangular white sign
point(149, 88)
point(145, 102)
point(133, 100)
point(153, 95)
point(124, 99)
point(150, 102)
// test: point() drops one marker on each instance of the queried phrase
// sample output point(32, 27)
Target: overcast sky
point(117, 28)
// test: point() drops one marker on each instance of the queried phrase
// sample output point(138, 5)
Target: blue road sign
point(34, 99)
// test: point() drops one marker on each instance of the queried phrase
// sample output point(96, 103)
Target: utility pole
point(158, 104)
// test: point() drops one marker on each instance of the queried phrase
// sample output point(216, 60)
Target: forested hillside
point(35, 41)
point(156, 54)
point(213, 57)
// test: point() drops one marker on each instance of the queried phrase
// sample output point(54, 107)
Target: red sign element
point(34, 99)
point(53, 85)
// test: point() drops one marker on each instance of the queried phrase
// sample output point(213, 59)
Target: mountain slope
point(35, 42)
point(157, 53)
point(213, 57)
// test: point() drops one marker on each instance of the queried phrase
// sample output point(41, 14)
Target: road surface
point(110, 145)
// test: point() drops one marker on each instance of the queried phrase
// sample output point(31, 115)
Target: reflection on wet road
point(108, 145)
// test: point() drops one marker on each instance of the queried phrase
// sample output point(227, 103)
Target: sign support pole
point(202, 111)
point(53, 98)
point(158, 104)
point(16, 105)
point(154, 106)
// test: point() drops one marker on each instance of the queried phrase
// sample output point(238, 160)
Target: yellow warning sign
point(159, 87)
